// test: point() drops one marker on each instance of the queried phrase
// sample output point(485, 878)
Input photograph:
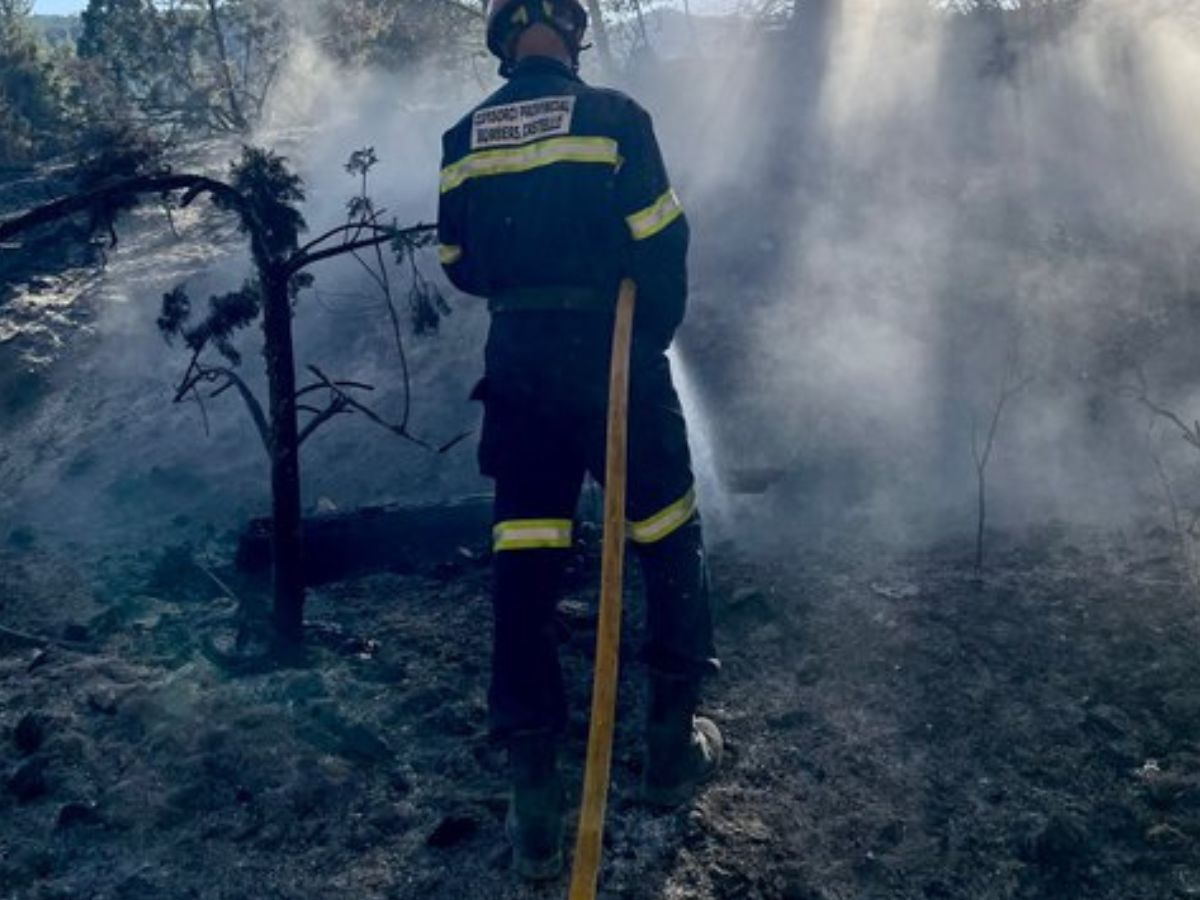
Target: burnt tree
point(262, 193)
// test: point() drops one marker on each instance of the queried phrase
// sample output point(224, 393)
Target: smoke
point(894, 209)
point(107, 459)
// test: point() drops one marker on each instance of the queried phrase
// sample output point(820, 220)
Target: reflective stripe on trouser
point(532, 534)
point(666, 521)
point(526, 691)
point(542, 534)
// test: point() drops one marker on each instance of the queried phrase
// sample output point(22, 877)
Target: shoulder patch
point(520, 123)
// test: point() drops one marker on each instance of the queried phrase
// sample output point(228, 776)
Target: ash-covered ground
point(897, 729)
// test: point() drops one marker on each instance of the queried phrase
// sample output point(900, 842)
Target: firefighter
point(551, 192)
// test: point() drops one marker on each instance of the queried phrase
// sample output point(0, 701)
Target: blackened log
point(399, 538)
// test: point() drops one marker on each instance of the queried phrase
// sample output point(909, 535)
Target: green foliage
point(57, 31)
point(427, 306)
point(360, 207)
point(269, 192)
point(117, 30)
point(227, 314)
point(32, 103)
point(188, 67)
point(392, 35)
point(203, 65)
point(271, 189)
point(110, 154)
point(176, 310)
point(362, 161)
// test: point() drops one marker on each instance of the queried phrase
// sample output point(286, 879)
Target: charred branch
point(1140, 393)
point(337, 405)
point(380, 234)
point(351, 403)
point(225, 379)
point(192, 186)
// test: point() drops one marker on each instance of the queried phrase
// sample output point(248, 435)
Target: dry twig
point(1012, 385)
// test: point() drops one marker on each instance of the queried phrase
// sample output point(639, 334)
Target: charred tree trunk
point(286, 537)
point(278, 264)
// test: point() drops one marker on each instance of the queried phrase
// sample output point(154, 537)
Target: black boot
point(683, 750)
point(534, 822)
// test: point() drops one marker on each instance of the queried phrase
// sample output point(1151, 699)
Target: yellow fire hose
point(589, 838)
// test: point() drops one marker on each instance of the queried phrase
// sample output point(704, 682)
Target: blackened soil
point(897, 729)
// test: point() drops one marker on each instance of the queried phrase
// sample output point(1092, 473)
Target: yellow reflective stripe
point(666, 521)
point(508, 160)
point(532, 534)
point(449, 254)
point(655, 217)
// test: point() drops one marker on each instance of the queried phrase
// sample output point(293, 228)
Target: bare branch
point(353, 228)
point(385, 287)
point(34, 640)
point(1010, 390)
point(1012, 385)
point(302, 260)
point(217, 581)
point(334, 232)
point(198, 373)
point(453, 442)
point(1140, 394)
point(367, 411)
point(336, 408)
point(199, 398)
point(350, 385)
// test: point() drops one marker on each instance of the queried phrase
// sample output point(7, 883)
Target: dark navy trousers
point(545, 416)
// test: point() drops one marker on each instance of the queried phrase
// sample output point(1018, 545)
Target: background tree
point(32, 102)
point(199, 64)
point(394, 35)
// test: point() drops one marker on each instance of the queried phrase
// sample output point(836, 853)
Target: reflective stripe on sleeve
point(449, 254)
point(655, 217)
point(508, 160)
point(666, 521)
point(532, 534)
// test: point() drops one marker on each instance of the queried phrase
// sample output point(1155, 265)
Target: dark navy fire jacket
point(552, 191)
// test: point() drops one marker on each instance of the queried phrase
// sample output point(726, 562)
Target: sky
point(58, 7)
